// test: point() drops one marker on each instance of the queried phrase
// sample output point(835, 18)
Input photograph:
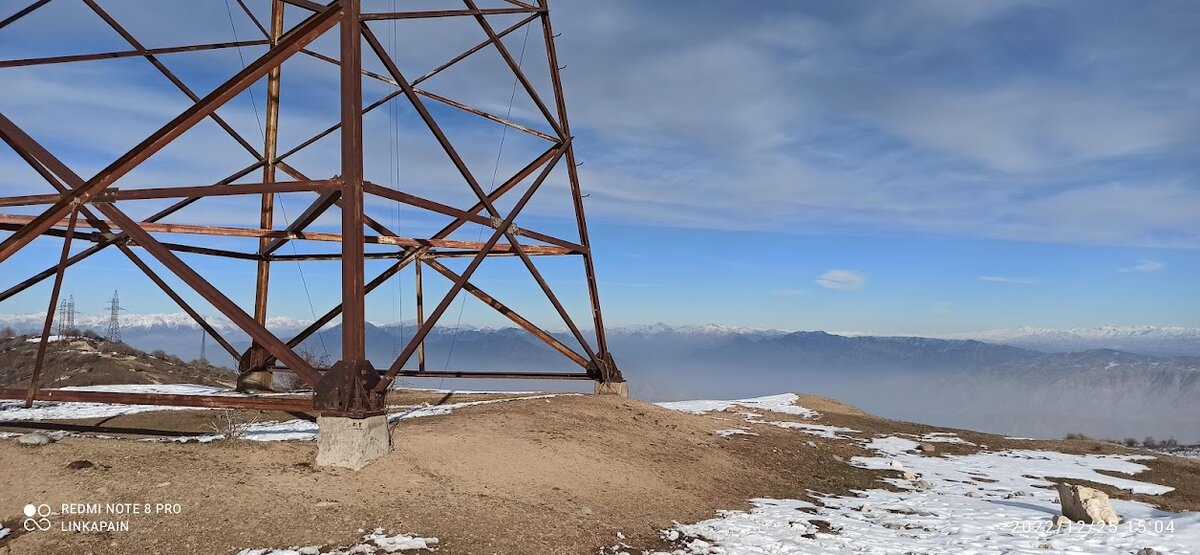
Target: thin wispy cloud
point(846, 280)
point(1144, 266)
point(865, 116)
point(1012, 280)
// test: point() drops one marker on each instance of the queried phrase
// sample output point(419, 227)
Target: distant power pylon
point(66, 317)
point(114, 320)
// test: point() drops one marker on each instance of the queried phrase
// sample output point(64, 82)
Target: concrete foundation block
point(612, 388)
point(352, 442)
point(256, 380)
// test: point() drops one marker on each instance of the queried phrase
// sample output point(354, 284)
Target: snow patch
point(784, 403)
point(734, 432)
point(829, 432)
point(50, 339)
point(1008, 511)
point(377, 541)
point(891, 445)
point(288, 430)
point(944, 437)
point(1016, 466)
point(4, 531)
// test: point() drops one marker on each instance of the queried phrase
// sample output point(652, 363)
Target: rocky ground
point(562, 474)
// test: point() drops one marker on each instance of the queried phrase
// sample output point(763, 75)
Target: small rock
point(34, 439)
point(325, 504)
point(923, 485)
point(811, 443)
point(973, 494)
point(587, 511)
point(101, 490)
point(909, 476)
point(927, 448)
point(865, 508)
point(80, 464)
point(1147, 551)
point(1060, 521)
point(1084, 504)
point(896, 464)
point(838, 459)
point(893, 525)
point(162, 484)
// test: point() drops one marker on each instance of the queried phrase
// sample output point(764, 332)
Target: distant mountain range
point(1150, 340)
point(1107, 382)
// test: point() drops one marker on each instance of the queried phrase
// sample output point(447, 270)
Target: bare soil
point(558, 475)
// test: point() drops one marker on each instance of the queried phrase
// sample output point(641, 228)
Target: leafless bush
point(234, 424)
point(289, 382)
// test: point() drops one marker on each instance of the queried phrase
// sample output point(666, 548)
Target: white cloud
point(847, 280)
point(1013, 280)
point(1144, 266)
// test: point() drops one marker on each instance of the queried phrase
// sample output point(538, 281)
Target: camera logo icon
point(36, 517)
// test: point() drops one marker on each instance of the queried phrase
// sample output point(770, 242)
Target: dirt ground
point(546, 476)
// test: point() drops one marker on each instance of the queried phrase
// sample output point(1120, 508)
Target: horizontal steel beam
point(386, 16)
point(485, 374)
point(495, 375)
point(220, 189)
point(185, 229)
point(290, 404)
point(130, 53)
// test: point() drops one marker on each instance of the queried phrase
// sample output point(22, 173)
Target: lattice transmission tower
point(66, 318)
point(114, 319)
point(108, 211)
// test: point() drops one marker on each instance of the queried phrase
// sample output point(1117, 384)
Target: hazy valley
point(1087, 388)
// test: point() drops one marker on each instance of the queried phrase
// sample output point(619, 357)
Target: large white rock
point(34, 439)
point(1084, 504)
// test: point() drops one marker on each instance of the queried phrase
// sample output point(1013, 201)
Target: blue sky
point(902, 167)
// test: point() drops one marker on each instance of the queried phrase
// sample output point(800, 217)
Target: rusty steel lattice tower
point(352, 386)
